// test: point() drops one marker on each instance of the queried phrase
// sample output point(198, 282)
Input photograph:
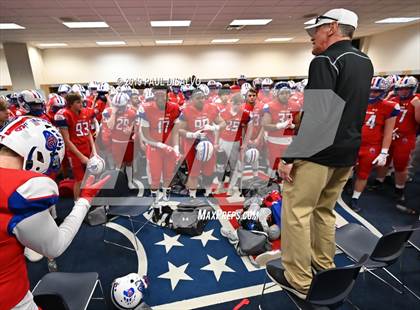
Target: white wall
point(227, 61)
point(4, 70)
point(396, 51)
point(37, 65)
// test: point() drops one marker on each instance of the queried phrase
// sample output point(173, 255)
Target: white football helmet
point(126, 89)
point(64, 89)
point(134, 92)
point(103, 87)
point(212, 84)
point(57, 102)
point(204, 150)
point(407, 82)
point(120, 100)
point(78, 89)
point(127, 292)
point(244, 89)
point(96, 165)
point(204, 88)
point(252, 155)
point(392, 80)
point(93, 85)
point(148, 94)
point(257, 82)
point(267, 82)
point(39, 143)
point(32, 102)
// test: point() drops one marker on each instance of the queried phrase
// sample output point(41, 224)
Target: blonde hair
point(3, 105)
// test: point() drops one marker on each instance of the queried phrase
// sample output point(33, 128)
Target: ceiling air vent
point(235, 27)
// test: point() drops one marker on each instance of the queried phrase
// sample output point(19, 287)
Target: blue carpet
point(88, 252)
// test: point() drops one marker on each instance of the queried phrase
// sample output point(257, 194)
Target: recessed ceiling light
point(396, 20)
point(170, 23)
point(278, 39)
point(310, 22)
point(86, 24)
point(169, 41)
point(52, 44)
point(4, 26)
point(102, 43)
point(250, 22)
point(224, 40)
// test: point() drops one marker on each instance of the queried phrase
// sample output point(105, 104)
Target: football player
point(29, 148)
point(280, 119)
point(241, 80)
point(253, 109)
point(32, 103)
point(63, 90)
point(157, 119)
point(198, 121)
point(120, 120)
point(74, 123)
point(175, 95)
point(376, 136)
point(404, 140)
point(14, 108)
point(265, 95)
point(55, 104)
point(233, 140)
point(102, 100)
point(391, 80)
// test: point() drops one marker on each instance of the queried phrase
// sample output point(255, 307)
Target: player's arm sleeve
point(60, 120)
point(41, 234)
point(395, 109)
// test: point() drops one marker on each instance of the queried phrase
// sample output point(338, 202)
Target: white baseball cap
point(341, 16)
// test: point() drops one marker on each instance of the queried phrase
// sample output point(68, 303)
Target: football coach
point(313, 183)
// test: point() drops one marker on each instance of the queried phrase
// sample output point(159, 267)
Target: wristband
point(190, 135)
point(384, 151)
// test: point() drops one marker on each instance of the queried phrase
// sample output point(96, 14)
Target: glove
point(196, 135)
point(395, 135)
point(90, 189)
point(380, 160)
point(282, 125)
point(164, 147)
point(211, 127)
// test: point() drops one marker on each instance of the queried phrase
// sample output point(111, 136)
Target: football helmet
point(212, 84)
point(127, 292)
point(257, 83)
point(187, 90)
point(204, 150)
point(96, 165)
point(391, 80)
point(120, 100)
point(148, 94)
point(57, 102)
point(244, 89)
point(103, 88)
point(204, 88)
point(32, 102)
point(63, 89)
point(252, 155)
point(93, 86)
point(39, 143)
point(409, 82)
point(12, 99)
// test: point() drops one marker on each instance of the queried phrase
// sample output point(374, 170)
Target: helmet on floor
point(127, 292)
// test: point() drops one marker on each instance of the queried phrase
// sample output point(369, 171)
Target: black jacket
point(348, 72)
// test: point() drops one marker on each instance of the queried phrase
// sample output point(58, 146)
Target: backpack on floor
point(189, 220)
point(253, 242)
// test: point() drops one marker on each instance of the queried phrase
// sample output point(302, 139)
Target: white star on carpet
point(218, 266)
point(175, 274)
point(169, 242)
point(205, 237)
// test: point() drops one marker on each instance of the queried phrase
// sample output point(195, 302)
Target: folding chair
point(329, 288)
point(67, 291)
point(138, 206)
point(355, 240)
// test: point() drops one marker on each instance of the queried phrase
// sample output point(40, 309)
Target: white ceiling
point(129, 20)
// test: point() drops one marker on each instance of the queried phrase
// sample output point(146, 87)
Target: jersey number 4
point(371, 121)
point(82, 129)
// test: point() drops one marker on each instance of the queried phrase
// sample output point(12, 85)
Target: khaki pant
point(308, 220)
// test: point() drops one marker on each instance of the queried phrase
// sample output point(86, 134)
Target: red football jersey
point(179, 98)
point(78, 126)
point(124, 120)
point(99, 106)
point(160, 121)
point(235, 124)
point(281, 113)
point(406, 121)
point(376, 115)
point(264, 98)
